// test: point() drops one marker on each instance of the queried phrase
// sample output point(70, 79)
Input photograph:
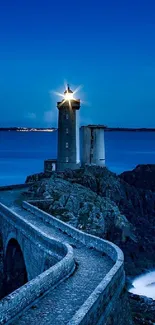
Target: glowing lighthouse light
point(68, 94)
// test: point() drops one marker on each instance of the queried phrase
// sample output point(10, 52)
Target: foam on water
point(144, 285)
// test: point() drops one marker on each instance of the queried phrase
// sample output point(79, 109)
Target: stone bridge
point(56, 274)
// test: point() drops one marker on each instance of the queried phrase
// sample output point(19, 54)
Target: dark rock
point(136, 204)
point(118, 208)
point(95, 196)
point(143, 309)
point(72, 202)
point(143, 176)
point(36, 177)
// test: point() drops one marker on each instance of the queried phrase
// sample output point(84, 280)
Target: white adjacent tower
point(92, 145)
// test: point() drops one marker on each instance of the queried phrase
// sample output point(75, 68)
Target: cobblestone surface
point(60, 304)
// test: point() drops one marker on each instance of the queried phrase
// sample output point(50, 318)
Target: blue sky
point(107, 46)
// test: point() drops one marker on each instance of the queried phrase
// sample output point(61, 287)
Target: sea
point(23, 153)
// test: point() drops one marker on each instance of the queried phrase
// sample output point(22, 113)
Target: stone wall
point(31, 240)
point(108, 302)
point(33, 243)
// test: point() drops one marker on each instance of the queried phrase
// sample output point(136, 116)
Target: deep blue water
point(23, 153)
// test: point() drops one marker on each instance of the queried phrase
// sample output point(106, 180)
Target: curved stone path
point(59, 305)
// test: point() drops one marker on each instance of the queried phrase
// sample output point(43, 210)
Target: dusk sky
point(107, 46)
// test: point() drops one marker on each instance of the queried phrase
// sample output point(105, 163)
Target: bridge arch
point(15, 273)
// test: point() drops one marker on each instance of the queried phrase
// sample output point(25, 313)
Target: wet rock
point(143, 309)
point(46, 195)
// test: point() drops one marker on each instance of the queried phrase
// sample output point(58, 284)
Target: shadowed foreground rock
point(143, 309)
point(143, 176)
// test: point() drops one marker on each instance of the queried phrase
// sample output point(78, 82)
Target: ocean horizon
point(23, 153)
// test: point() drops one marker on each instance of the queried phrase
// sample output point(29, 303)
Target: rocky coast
point(98, 201)
point(120, 208)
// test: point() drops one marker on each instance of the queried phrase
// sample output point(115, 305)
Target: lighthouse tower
point(68, 132)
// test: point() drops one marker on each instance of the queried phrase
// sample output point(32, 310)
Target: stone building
point(68, 155)
point(92, 145)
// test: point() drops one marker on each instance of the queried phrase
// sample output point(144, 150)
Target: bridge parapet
point(99, 307)
point(15, 302)
point(33, 233)
point(102, 245)
point(103, 306)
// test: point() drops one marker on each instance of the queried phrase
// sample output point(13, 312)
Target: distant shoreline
point(131, 129)
point(20, 129)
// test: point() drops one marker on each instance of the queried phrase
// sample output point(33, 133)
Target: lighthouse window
point(66, 144)
point(67, 131)
point(66, 159)
point(66, 116)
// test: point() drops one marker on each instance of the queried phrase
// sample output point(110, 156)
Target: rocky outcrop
point(81, 207)
point(98, 201)
point(143, 309)
point(143, 176)
point(36, 177)
point(136, 204)
point(118, 208)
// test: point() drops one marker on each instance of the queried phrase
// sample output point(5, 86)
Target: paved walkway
point(60, 304)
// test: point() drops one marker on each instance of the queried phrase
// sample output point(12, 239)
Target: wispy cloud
point(31, 116)
point(50, 117)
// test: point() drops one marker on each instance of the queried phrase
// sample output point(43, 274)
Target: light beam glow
point(68, 96)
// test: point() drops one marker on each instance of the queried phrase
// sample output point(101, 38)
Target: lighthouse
point(68, 154)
